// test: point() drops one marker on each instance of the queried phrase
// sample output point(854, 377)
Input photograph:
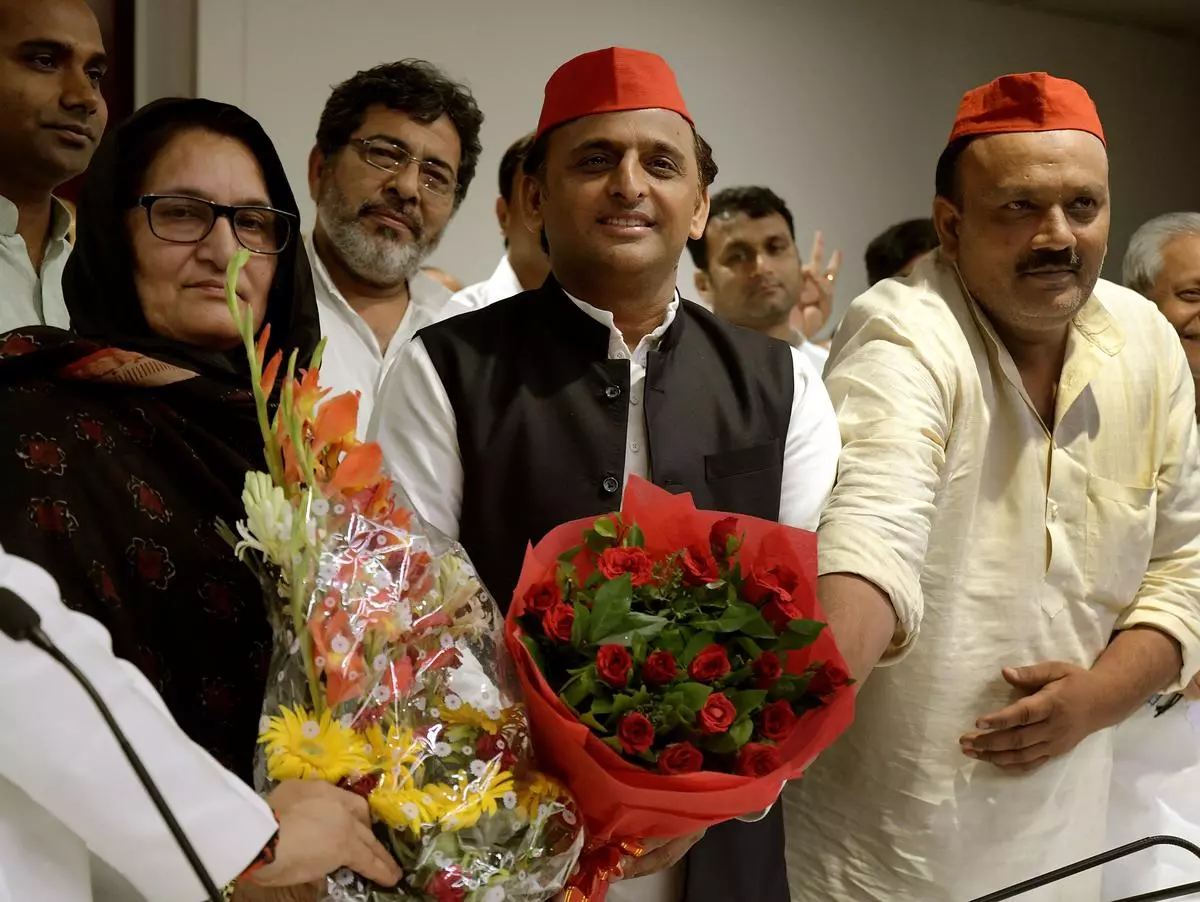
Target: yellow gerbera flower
point(404, 808)
point(467, 715)
point(399, 747)
point(461, 806)
point(299, 747)
point(537, 789)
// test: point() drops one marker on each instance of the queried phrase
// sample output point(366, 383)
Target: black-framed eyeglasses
point(391, 157)
point(188, 220)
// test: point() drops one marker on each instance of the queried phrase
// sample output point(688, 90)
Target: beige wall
point(841, 107)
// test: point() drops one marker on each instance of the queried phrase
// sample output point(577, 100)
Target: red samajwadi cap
point(610, 81)
point(1029, 102)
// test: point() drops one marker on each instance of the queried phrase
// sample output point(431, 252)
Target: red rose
point(779, 612)
point(717, 715)
point(776, 721)
point(763, 584)
point(680, 758)
point(447, 885)
point(757, 760)
point(711, 664)
point(660, 668)
point(768, 669)
point(558, 622)
point(699, 566)
point(541, 597)
point(613, 664)
point(828, 680)
point(634, 561)
point(635, 732)
point(492, 747)
point(720, 534)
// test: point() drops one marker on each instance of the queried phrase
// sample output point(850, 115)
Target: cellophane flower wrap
point(675, 667)
point(389, 675)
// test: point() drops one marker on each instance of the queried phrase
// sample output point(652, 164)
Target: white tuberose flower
point(268, 524)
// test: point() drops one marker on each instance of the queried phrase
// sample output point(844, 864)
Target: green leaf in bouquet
point(534, 652)
point(748, 701)
point(756, 627)
point(737, 677)
point(799, 634)
point(635, 538)
point(729, 743)
point(569, 555)
point(640, 648)
point(789, 687)
point(752, 649)
point(732, 619)
point(644, 626)
point(605, 527)
point(593, 580)
point(610, 607)
point(695, 645)
point(579, 687)
point(691, 696)
point(567, 575)
point(671, 640)
point(622, 704)
point(579, 629)
point(602, 706)
point(589, 720)
point(742, 730)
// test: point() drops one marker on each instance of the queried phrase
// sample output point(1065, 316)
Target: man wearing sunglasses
point(396, 149)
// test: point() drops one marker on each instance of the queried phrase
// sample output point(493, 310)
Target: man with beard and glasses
point(396, 150)
point(51, 117)
point(1016, 522)
point(506, 421)
point(749, 271)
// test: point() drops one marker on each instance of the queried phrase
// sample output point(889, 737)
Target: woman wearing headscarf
point(125, 442)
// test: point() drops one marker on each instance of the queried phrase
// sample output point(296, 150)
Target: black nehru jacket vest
point(541, 415)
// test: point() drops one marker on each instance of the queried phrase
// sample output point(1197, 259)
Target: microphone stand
point(1096, 861)
point(39, 638)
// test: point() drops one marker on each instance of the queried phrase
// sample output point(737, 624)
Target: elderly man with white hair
point(1156, 763)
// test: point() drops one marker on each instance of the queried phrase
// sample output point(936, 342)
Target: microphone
point(21, 623)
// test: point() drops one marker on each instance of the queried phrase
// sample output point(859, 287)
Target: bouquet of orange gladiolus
point(389, 674)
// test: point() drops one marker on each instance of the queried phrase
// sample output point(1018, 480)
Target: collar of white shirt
point(617, 348)
point(60, 219)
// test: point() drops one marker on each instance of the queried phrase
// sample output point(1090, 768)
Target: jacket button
point(610, 485)
point(612, 392)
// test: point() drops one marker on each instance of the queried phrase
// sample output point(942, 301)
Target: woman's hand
point(323, 828)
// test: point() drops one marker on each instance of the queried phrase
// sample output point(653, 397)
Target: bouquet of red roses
point(675, 667)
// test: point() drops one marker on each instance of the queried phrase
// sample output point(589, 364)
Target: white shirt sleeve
point(414, 424)
point(810, 456)
point(56, 747)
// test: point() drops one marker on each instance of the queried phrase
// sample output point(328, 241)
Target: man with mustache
point(1016, 522)
point(396, 150)
point(748, 269)
point(506, 421)
point(51, 117)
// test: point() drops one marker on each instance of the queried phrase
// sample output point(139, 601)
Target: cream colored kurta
point(1000, 544)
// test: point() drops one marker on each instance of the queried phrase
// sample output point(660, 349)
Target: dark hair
point(752, 200)
point(945, 179)
point(888, 253)
point(511, 162)
point(410, 86)
point(535, 158)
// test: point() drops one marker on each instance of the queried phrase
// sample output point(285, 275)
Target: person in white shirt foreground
point(749, 272)
point(1016, 517)
point(52, 115)
point(75, 823)
point(525, 263)
point(1156, 753)
point(506, 421)
point(396, 150)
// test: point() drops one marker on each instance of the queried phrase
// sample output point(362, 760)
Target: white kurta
point(1000, 543)
point(353, 360)
point(1155, 791)
point(29, 297)
point(503, 283)
point(415, 423)
point(74, 820)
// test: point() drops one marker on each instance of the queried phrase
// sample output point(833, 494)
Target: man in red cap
point(1016, 523)
point(504, 422)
